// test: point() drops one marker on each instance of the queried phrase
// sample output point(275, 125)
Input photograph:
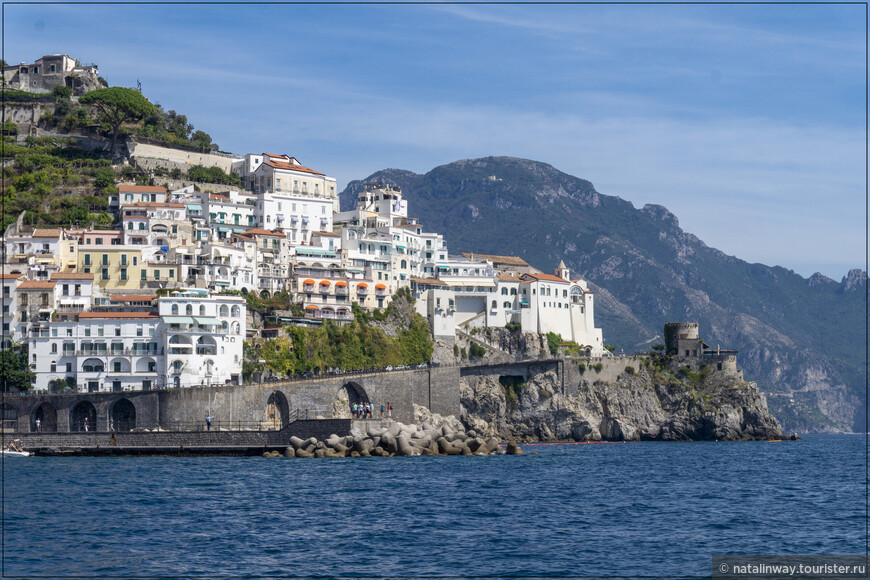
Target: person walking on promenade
point(86, 424)
point(112, 424)
point(383, 410)
point(208, 422)
point(389, 411)
point(38, 423)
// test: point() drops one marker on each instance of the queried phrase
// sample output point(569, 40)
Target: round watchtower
point(677, 331)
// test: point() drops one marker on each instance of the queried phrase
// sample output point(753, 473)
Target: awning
point(341, 283)
point(311, 307)
point(194, 207)
point(402, 247)
point(221, 283)
point(324, 283)
point(178, 319)
point(380, 287)
point(206, 320)
point(223, 229)
point(362, 285)
point(314, 251)
point(443, 267)
point(308, 281)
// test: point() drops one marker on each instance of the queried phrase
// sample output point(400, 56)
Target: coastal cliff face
point(661, 398)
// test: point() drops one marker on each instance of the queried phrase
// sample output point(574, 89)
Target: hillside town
point(156, 302)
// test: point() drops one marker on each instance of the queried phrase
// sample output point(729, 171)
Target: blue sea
point(599, 510)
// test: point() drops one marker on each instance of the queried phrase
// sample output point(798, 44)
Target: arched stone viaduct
point(270, 404)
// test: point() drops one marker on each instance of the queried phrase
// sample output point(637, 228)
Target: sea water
point(623, 509)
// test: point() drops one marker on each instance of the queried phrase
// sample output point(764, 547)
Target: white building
point(192, 339)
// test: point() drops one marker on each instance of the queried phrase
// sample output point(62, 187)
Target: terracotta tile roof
point(118, 315)
point(46, 233)
point(328, 234)
point(546, 277)
point(141, 189)
point(495, 259)
point(36, 285)
point(429, 281)
point(71, 276)
point(285, 156)
point(10, 276)
point(290, 167)
point(261, 232)
point(508, 277)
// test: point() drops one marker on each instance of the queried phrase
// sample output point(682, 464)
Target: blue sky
point(746, 121)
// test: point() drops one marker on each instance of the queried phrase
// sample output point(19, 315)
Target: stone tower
point(562, 271)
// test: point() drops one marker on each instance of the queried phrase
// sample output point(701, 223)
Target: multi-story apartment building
point(192, 339)
point(156, 224)
point(282, 174)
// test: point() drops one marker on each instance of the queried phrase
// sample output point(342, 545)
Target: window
point(123, 259)
point(156, 274)
point(98, 241)
point(53, 348)
point(105, 273)
point(504, 291)
point(138, 331)
point(117, 333)
point(105, 259)
point(87, 259)
point(65, 290)
point(123, 273)
point(202, 309)
point(135, 260)
point(188, 310)
point(51, 68)
point(175, 309)
point(144, 275)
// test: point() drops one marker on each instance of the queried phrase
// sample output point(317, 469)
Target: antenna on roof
point(139, 86)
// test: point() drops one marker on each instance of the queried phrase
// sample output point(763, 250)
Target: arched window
point(175, 309)
point(237, 311)
point(494, 305)
point(513, 291)
point(237, 329)
point(224, 311)
point(224, 327)
point(504, 291)
point(189, 310)
point(202, 309)
point(177, 365)
point(507, 304)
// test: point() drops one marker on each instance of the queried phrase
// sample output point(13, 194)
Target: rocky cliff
point(639, 398)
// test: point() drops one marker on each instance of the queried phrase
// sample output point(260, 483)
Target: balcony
point(341, 290)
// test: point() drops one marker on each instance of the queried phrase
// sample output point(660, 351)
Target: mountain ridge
point(798, 336)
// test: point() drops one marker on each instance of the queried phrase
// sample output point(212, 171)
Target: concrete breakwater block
point(398, 440)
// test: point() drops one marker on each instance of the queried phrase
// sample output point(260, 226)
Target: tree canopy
point(15, 374)
point(116, 106)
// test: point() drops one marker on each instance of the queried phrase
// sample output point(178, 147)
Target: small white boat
point(8, 453)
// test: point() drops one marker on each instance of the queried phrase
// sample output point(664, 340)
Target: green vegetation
point(54, 182)
point(173, 129)
point(513, 326)
point(357, 345)
point(629, 370)
point(609, 347)
point(598, 367)
point(15, 373)
point(582, 368)
point(476, 351)
point(553, 341)
point(117, 106)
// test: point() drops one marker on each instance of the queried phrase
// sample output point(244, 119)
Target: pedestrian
point(112, 424)
point(208, 422)
point(86, 424)
point(353, 410)
point(383, 410)
point(38, 423)
point(389, 410)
